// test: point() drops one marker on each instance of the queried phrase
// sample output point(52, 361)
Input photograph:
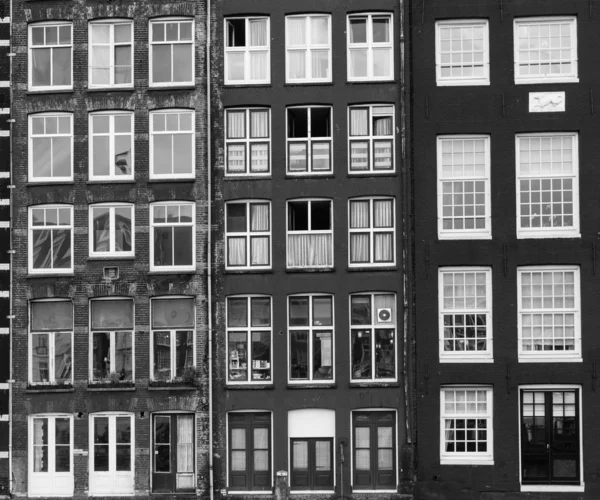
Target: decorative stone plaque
point(546, 102)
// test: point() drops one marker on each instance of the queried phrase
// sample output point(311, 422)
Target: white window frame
point(33, 136)
point(307, 48)
point(112, 226)
point(549, 232)
point(445, 81)
point(191, 224)
point(31, 48)
point(112, 44)
point(247, 51)
point(112, 153)
point(370, 46)
point(571, 77)
point(466, 356)
point(309, 141)
point(32, 228)
point(468, 458)
point(247, 143)
point(164, 20)
point(248, 235)
point(551, 356)
point(191, 132)
point(372, 139)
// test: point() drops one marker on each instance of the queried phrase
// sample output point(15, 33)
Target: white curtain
point(296, 31)
point(300, 451)
point(236, 251)
point(362, 444)
point(385, 440)
point(382, 213)
point(384, 247)
point(258, 65)
point(296, 63)
point(259, 154)
point(261, 450)
point(320, 63)
point(259, 217)
point(238, 446)
point(359, 214)
point(258, 32)
point(259, 251)
point(40, 445)
point(359, 247)
point(259, 124)
point(382, 125)
point(382, 152)
point(185, 452)
point(319, 30)
point(236, 124)
point(359, 122)
point(309, 250)
point(322, 455)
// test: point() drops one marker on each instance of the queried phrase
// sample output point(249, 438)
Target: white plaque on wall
point(546, 102)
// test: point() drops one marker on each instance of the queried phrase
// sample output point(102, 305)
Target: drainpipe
point(10, 299)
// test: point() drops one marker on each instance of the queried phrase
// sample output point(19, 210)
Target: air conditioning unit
point(384, 315)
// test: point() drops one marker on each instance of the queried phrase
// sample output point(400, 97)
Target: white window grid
point(183, 209)
point(466, 425)
point(381, 234)
point(252, 53)
point(545, 49)
point(180, 40)
point(549, 308)
point(249, 235)
point(52, 41)
point(464, 205)
point(120, 130)
point(172, 123)
point(371, 153)
point(312, 150)
point(51, 127)
point(462, 52)
point(370, 48)
point(116, 30)
point(113, 210)
point(312, 329)
point(308, 50)
point(465, 314)
point(547, 185)
point(250, 154)
point(52, 218)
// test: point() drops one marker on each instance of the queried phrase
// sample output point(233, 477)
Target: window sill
point(373, 384)
point(239, 492)
point(186, 86)
point(110, 257)
point(110, 388)
point(311, 492)
point(48, 183)
point(371, 173)
point(174, 387)
point(70, 274)
point(110, 181)
point(241, 85)
point(110, 89)
point(465, 358)
point(267, 270)
point(362, 269)
point(464, 461)
point(310, 270)
point(247, 177)
point(168, 180)
point(161, 272)
point(551, 359)
point(547, 234)
point(34, 389)
point(464, 236)
point(49, 91)
point(308, 175)
point(558, 488)
point(328, 83)
point(371, 81)
point(361, 492)
point(249, 387)
point(463, 83)
point(545, 81)
point(312, 385)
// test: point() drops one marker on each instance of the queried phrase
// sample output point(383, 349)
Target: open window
point(309, 140)
point(247, 50)
point(310, 234)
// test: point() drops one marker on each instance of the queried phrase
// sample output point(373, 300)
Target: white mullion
point(248, 238)
point(112, 449)
point(369, 44)
point(112, 351)
point(247, 142)
point(172, 356)
point(310, 337)
point(372, 231)
point(111, 144)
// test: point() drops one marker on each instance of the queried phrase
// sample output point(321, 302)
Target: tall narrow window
point(247, 50)
point(248, 234)
point(308, 45)
point(372, 232)
point(248, 141)
point(172, 153)
point(112, 230)
point(111, 146)
point(371, 139)
point(174, 454)
point(50, 56)
point(111, 54)
point(370, 47)
point(51, 239)
point(172, 236)
point(171, 52)
point(51, 147)
point(310, 234)
point(309, 140)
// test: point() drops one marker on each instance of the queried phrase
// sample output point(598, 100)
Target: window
point(549, 314)
point(51, 147)
point(249, 451)
point(462, 52)
point(111, 322)
point(50, 55)
point(371, 139)
point(371, 232)
point(51, 344)
point(111, 54)
point(308, 45)
point(174, 454)
point(173, 334)
point(111, 146)
point(172, 236)
point(466, 426)
point(248, 141)
point(546, 50)
point(373, 335)
point(547, 186)
point(311, 327)
point(112, 230)
point(310, 234)
point(370, 47)
point(249, 337)
point(247, 47)
point(465, 301)
point(111, 454)
point(50, 455)
point(248, 233)
point(172, 153)
point(51, 239)
point(171, 52)
point(309, 140)
point(374, 450)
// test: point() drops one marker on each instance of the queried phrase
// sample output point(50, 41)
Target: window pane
point(261, 311)
point(40, 358)
point(173, 313)
point(40, 445)
point(300, 455)
point(101, 436)
point(322, 311)
point(40, 67)
point(184, 352)
point(112, 314)
point(101, 355)
point(62, 357)
point(322, 356)
point(238, 356)
point(237, 312)
point(183, 246)
point(161, 63)
point(123, 355)
point(360, 310)
point(52, 315)
point(61, 66)
point(101, 229)
point(236, 218)
point(261, 356)
point(385, 354)
point(361, 354)
point(322, 455)
point(182, 63)
point(162, 355)
point(298, 311)
point(299, 355)
point(358, 30)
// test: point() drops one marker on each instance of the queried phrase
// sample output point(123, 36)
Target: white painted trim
point(4, 83)
point(4, 224)
point(30, 229)
point(4, 111)
point(4, 294)
point(4, 201)
point(4, 175)
point(4, 386)
point(50, 136)
point(4, 418)
point(111, 47)
point(4, 331)
point(4, 133)
point(553, 488)
point(112, 152)
point(3, 454)
point(4, 267)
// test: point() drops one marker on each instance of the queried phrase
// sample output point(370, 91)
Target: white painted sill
point(466, 359)
point(464, 235)
point(528, 81)
point(560, 488)
point(463, 83)
point(462, 461)
point(575, 358)
point(547, 233)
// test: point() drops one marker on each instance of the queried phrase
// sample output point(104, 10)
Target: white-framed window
point(173, 236)
point(171, 52)
point(50, 455)
point(112, 230)
point(51, 342)
point(51, 239)
point(465, 314)
point(51, 147)
point(248, 141)
point(50, 56)
point(370, 47)
point(547, 185)
point(111, 146)
point(111, 340)
point(310, 233)
point(249, 339)
point(545, 49)
point(311, 328)
point(371, 232)
point(464, 205)
point(308, 48)
point(248, 234)
point(373, 346)
point(466, 425)
point(549, 305)
point(371, 139)
point(247, 51)
point(111, 451)
point(110, 54)
point(309, 140)
point(462, 52)
point(173, 337)
point(172, 140)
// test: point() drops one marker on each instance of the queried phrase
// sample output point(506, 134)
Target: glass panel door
point(174, 456)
